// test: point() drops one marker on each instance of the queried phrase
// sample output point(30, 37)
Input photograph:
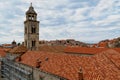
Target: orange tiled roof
point(56, 49)
point(62, 67)
point(7, 49)
point(19, 49)
point(103, 44)
point(94, 45)
point(103, 66)
point(84, 50)
point(2, 52)
point(117, 49)
point(7, 45)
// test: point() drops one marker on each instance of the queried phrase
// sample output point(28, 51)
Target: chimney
point(80, 74)
point(38, 63)
point(46, 59)
point(19, 58)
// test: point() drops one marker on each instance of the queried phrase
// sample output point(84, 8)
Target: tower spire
point(31, 4)
point(31, 10)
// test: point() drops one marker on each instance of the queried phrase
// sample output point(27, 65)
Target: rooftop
point(19, 49)
point(84, 50)
point(56, 49)
point(2, 52)
point(102, 66)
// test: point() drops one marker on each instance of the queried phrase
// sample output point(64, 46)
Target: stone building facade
point(31, 29)
point(11, 70)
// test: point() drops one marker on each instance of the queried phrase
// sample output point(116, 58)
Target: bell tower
point(31, 30)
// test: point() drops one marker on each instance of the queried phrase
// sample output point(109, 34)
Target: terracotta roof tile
point(2, 52)
point(103, 66)
point(7, 49)
point(19, 49)
point(103, 44)
point(47, 48)
point(117, 49)
point(7, 45)
point(84, 50)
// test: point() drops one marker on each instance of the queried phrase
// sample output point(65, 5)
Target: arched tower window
point(25, 30)
point(32, 17)
point(33, 29)
point(33, 43)
point(29, 17)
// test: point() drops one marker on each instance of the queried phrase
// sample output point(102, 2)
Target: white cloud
point(108, 20)
point(78, 15)
point(98, 10)
point(61, 19)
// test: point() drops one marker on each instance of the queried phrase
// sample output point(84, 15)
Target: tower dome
point(14, 42)
point(31, 10)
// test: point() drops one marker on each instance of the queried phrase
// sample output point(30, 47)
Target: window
point(29, 17)
point(33, 29)
point(32, 17)
point(25, 30)
point(26, 43)
point(33, 43)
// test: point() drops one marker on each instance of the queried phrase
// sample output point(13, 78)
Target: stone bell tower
point(31, 29)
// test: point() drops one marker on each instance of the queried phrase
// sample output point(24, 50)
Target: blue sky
point(83, 20)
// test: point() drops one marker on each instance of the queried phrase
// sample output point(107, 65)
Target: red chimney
point(19, 58)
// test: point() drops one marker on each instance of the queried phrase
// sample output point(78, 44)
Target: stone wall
point(39, 74)
point(44, 75)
